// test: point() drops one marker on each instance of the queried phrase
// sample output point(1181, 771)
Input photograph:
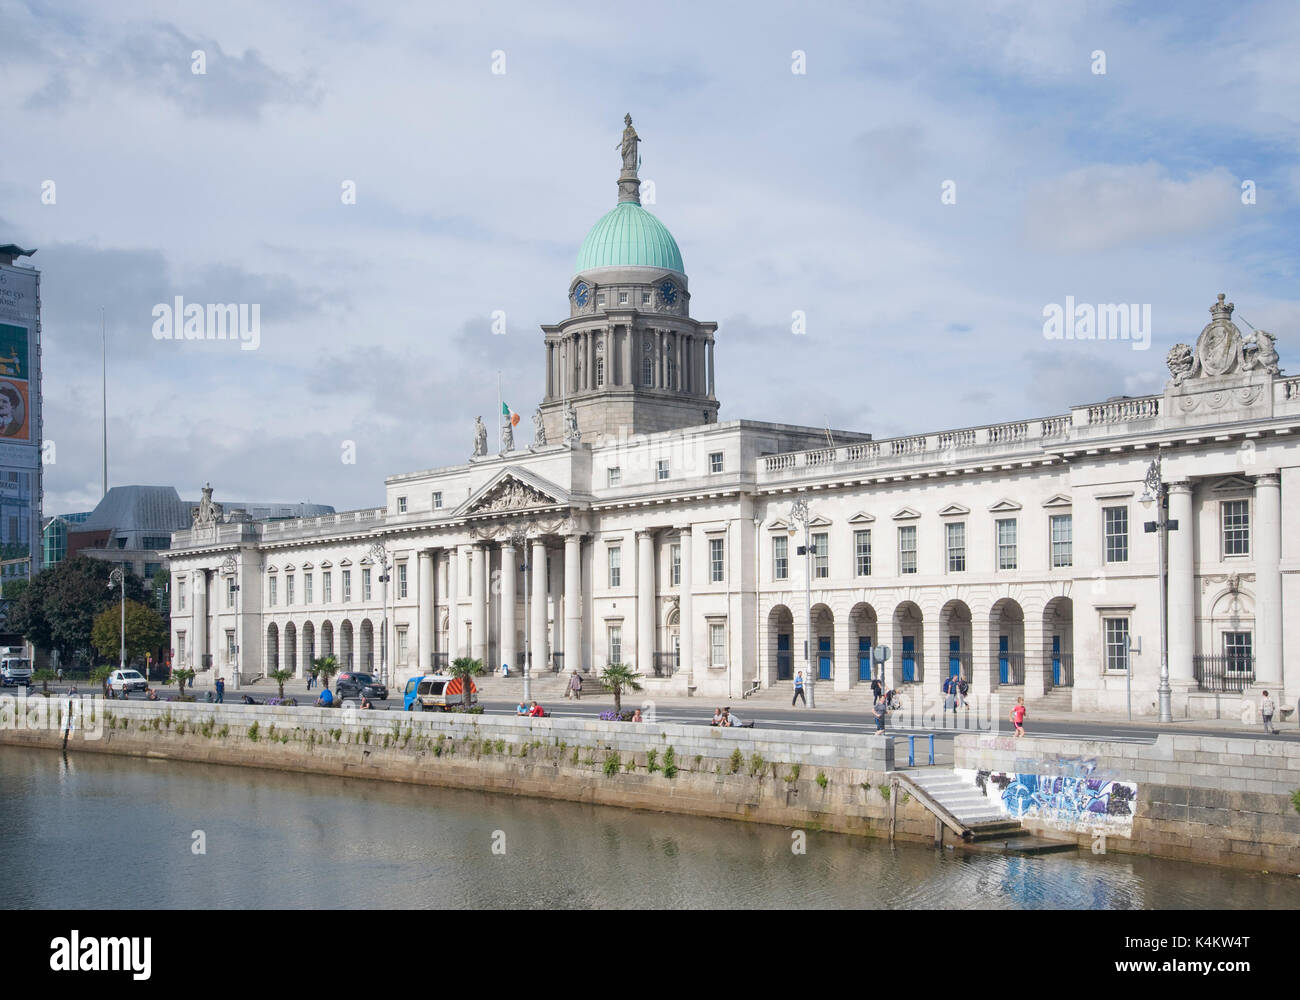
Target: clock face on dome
point(581, 293)
point(668, 292)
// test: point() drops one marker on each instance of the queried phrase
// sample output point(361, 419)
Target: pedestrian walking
point(221, 690)
point(575, 687)
point(878, 710)
point(950, 699)
point(311, 680)
point(1018, 716)
point(876, 690)
point(962, 690)
point(59, 674)
point(1266, 710)
point(798, 690)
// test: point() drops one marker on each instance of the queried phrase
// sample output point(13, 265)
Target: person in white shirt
point(718, 717)
point(1266, 710)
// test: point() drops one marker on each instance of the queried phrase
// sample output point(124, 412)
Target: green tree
point(57, 609)
point(45, 675)
point(619, 677)
point(145, 631)
point(100, 676)
point(466, 668)
point(182, 677)
point(280, 676)
point(326, 667)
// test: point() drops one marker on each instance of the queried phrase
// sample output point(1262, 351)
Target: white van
point(432, 691)
point(15, 668)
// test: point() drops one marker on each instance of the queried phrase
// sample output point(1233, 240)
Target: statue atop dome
point(629, 185)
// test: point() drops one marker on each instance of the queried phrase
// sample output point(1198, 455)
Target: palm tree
point(101, 675)
point(617, 677)
point(280, 676)
point(326, 667)
point(466, 668)
point(182, 677)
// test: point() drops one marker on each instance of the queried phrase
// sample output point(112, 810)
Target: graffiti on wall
point(1067, 794)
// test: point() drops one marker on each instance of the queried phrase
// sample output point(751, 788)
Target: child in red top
point(1018, 716)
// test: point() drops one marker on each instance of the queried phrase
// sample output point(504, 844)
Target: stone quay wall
point(775, 779)
point(1221, 800)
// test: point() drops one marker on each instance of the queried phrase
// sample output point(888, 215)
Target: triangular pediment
point(819, 522)
point(1004, 506)
point(289, 567)
point(272, 569)
point(345, 562)
point(780, 524)
point(367, 561)
point(307, 565)
point(1232, 484)
point(906, 514)
point(862, 517)
point(513, 489)
point(1059, 500)
point(953, 509)
point(325, 564)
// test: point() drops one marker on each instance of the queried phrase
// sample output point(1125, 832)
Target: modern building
point(20, 412)
point(54, 536)
point(637, 528)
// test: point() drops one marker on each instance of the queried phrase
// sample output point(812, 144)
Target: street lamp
point(229, 567)
point(119, 578)
point(1155, 489)
point(799, 512)
point(380, 555)
point(519, 538)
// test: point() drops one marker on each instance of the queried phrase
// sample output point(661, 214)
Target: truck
point(442, 691)
point(15, 666)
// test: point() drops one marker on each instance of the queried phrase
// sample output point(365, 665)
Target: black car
point(350, 685)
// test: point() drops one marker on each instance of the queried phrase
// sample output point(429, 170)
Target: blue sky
point(817, 192)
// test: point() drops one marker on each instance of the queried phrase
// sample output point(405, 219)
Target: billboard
point(20, 413)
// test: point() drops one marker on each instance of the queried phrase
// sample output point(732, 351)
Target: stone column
point(199, 628)
point(934, 655)
point(425, 642)
point(537, 627)
point(846, 656)
point(1182, 586)
point(1268, 581)
point(573, 653)
point(685, 618)
point(984, 654)
point(1037, 662)
point(645, 602)
point(509, 581)
point(709, 348)
point(478, 617)
point(661, 380)
point(460, 578)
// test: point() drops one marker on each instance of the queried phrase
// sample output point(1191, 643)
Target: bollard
point(932, 749)
point(911, 751)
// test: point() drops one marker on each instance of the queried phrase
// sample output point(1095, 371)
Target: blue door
point(783, 657)
point(954, 655)
point(1003, 660)
point(824, 659)
point(864, 657)
point(1056, 661)
point(909, 659)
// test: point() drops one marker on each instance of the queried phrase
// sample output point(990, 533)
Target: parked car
point(352, 685)
point(436, 691)
point(126, 680)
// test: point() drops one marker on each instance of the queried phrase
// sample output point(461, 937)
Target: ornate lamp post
point(380, 555)
point(118, 578)
point(1155, 489)
point(799, 512)
point(230, 567)
point(519, 538)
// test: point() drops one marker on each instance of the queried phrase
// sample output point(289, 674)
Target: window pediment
point(1004, 506)
point(906, 514)
point(861, 517)
point(1059, 500)
point(953, 510)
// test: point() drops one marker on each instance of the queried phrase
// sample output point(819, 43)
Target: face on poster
point(14, 403)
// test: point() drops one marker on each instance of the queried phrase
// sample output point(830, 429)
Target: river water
point(97, 831)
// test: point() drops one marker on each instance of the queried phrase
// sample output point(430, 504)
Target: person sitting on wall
point(521, 709)
point(636, 716)
point(151, 694)
point(718, 717)
point(365, 702)
point(537, 712)
point(326, 699)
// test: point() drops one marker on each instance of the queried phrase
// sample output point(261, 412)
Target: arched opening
point(668, 663)
point(780, 638)
point(272, 647)
point(1058, 641)
point(955, 641)
point(864, 630)
point(290, 646)
point(367, 660)
point(327, 638)
point(823, 649)
point(1007, 633)
point(907, 655)
point(345, 646)
point(308, 648)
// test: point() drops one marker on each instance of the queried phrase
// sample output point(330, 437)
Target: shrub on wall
point(1295, 799)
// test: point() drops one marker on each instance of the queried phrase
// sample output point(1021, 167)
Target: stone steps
point(966, 803)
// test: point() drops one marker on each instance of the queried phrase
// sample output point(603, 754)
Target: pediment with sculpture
point(511, 494)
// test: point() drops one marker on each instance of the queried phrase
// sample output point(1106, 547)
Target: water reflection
point(290, 840)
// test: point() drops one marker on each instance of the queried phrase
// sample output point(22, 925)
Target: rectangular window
point(600, 299)
point(288, 591)
point(347, 585)
point(150, 569)
point(717, 645)
point(715, 461)
point(403, 648)
point(365, 584)
point(437, 500)
point(230, 645)
point(780, 558)
point(1006, 527)
point(616, 644)
point(956, 546)
point(600, 370)
point(862, 552)
point(326, 590)
point(180, 594)
point(622, 298)
point(615, 476)
point(675, 558)
point(661, 468)
point(648, 371)
point(271, 592)
point(821, 556)
point(715, 560)
point(645, 298)
point(1236, 528)
point(401, 505)
point(230, 593)
point(1116, 527)
point(1116, 631)
point(907, 549)
point(1237, 652)
point(180, 647)
point(401, 580)
point(306, 588)
point(1062, 540)
point(616, 568)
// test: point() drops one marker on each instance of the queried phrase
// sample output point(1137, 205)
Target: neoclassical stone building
point(638, 528)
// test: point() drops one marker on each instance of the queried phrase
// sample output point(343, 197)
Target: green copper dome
point(629, 236)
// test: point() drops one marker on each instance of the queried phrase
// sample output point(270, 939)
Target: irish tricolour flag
point(512, 417)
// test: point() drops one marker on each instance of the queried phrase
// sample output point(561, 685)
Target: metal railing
point(1232, 673)
point(666, 664)
point(1015, 663)
point(1060, 670)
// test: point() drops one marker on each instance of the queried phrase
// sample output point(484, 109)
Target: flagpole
point(499, 438)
